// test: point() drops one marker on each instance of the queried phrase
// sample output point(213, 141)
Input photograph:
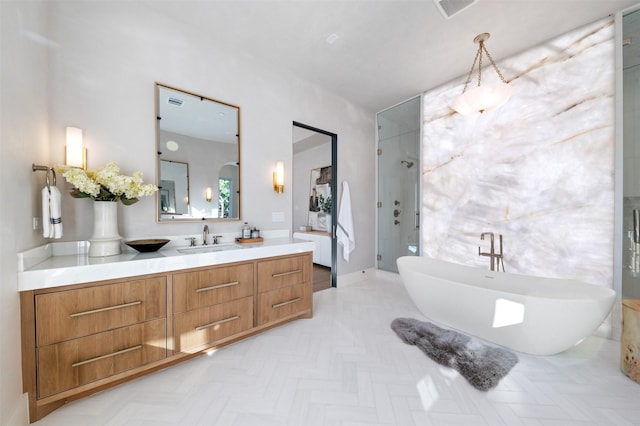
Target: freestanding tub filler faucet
point(495, 259)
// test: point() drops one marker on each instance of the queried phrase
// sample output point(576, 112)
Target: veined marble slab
point(539, 170)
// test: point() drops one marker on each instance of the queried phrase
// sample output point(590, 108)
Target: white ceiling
point(386, 51)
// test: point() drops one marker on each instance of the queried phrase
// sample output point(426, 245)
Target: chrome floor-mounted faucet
point(495, 259)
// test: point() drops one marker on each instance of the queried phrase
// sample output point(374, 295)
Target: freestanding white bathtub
point(540, 316)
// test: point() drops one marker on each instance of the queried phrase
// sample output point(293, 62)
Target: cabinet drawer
point(207, 325)
point(193, 290)
point(284, 272)
point(70, 314)
point(80, 361)
point(280, 303)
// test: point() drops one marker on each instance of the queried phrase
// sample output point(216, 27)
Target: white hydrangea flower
point(106, 184)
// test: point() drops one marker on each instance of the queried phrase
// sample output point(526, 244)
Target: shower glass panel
point(631, 156)
point(398, 183)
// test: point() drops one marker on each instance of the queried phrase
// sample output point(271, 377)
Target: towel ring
point(49, 170)
point(53, 176)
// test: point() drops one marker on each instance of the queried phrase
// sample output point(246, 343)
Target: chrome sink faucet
point(205, 235)
point(495, 259)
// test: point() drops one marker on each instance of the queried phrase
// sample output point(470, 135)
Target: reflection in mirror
point(174, 188)
point(198, 157)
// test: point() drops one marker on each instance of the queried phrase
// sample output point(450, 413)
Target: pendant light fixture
point(484, 97)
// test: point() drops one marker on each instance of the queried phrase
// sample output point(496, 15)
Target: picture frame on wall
point(320, 199)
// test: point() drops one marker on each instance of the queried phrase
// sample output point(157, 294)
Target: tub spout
point(486, 233)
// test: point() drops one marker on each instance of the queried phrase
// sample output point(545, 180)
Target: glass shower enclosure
point(398, 183)
point(630, 279)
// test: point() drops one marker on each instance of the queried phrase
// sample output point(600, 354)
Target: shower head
point(409, 164)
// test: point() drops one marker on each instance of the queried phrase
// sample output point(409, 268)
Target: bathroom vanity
point(322, 253)
point(91, 324)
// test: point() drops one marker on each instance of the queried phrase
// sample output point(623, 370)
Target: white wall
point(93, 65)
point(23, 140)
point(103, 74)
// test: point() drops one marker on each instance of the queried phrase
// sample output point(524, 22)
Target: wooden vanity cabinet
point(91, 333)
point(80, 339)
point(64, 315)
point(77, 338)
point(284, 288)
point(73, 363)
point(211, 304)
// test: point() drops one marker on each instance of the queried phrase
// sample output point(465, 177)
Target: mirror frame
point(160, 218)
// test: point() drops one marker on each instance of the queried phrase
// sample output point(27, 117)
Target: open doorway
point(314, 178)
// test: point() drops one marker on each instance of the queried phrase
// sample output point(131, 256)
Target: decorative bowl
point(145, 246)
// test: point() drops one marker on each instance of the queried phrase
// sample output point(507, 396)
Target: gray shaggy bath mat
point(482, 365)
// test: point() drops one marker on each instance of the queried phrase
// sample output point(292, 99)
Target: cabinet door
point(283, 302)
point(197, 289)
point(80, 361)
point(70, 314)
point(204, 326)
point(322, 250)
point(284, 272)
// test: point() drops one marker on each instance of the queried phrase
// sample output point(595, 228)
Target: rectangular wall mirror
point(198, 172)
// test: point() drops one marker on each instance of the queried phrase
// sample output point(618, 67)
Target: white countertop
point(57, 264)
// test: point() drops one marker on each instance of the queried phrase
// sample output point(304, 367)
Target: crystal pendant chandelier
point(484, 97)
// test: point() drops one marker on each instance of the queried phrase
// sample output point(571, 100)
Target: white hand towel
point(345, 232)
point(51, 213)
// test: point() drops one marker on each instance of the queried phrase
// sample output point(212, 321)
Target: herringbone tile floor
point(346, 367)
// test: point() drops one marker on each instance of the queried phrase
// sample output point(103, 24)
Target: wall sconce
point(208, 195)
point(486, 97)
point(75, 153)
point(278, 178)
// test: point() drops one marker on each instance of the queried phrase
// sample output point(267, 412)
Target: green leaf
point(75, 193)
point(128, 201)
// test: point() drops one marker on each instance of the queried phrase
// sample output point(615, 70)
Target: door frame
point(334, 188)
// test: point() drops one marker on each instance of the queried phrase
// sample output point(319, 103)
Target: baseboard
point(355, 277)
point(359, 277)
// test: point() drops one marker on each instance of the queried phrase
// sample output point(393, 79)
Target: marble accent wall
point(539, 170)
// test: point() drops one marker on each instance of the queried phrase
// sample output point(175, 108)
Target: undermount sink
point(208, 249)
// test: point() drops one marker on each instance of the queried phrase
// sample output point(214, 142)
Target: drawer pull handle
point(108, 308)
point(212, 324)
point(283, 274)
point(98, 358)
point(288, 302)
point(214, 287)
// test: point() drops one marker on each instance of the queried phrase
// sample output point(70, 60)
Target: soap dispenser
point(246, 231)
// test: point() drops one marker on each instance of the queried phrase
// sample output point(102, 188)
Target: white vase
point(105, 240)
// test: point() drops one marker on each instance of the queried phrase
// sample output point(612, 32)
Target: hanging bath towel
point(51, 212)
point(346, 237)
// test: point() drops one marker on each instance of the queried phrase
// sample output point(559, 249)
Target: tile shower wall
point(539, 170)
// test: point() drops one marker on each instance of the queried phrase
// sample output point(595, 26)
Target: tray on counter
point(249, 240)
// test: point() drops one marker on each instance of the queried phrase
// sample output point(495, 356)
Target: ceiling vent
point(175, 102)
point(450, 8)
